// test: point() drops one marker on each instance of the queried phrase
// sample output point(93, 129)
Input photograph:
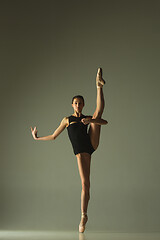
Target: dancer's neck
point(76, 114)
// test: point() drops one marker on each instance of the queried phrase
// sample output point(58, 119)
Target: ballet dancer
point(84, 141)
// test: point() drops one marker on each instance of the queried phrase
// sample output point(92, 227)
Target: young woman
point(84, 142)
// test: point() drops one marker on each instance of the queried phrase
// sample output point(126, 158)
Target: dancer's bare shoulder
point(65, 121)
point(61, 127)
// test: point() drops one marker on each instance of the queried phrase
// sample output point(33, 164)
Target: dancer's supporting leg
point(84, 160)
point(94, 130)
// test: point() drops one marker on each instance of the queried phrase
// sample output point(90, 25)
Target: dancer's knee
point(86, 187)
point(97, 114)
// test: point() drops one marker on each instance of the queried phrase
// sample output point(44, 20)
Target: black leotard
point(79, 136)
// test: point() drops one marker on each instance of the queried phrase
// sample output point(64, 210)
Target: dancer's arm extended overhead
point(53, 136)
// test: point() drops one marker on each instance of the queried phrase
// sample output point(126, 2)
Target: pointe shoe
point(99, 80)
point(82, 226)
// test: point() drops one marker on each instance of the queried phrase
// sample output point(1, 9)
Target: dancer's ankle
point(84, 213)
point(99, 86)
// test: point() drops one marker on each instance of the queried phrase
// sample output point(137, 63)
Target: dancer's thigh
point(94, 131)
point(84, 161)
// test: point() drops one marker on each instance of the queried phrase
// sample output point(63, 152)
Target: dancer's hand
point(34, 132)
point(85, 120)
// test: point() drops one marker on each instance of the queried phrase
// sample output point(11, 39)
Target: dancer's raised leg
point(94, 130)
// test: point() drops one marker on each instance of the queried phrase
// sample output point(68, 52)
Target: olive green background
point(50, 51)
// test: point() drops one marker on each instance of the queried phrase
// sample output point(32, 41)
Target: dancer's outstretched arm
point(53, 136)
point(98, 121)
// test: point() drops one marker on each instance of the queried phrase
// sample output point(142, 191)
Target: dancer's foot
point(84, 219)
point(99, 80)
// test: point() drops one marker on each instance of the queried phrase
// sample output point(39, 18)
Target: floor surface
point(48, 235)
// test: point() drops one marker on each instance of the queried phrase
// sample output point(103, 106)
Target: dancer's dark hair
point(78, 96)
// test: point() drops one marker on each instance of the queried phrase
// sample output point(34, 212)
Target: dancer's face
point(78, 105)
